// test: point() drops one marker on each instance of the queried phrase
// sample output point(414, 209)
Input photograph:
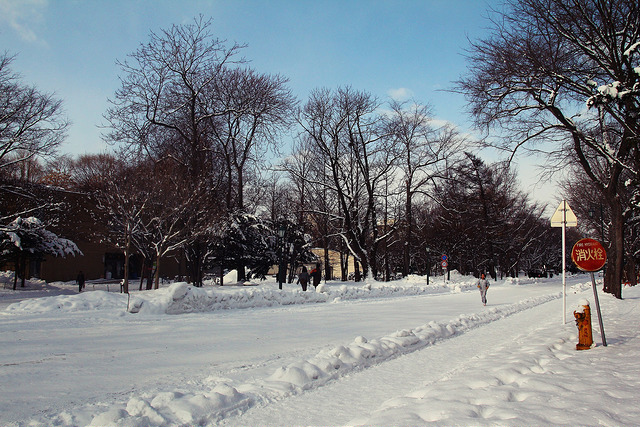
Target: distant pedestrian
point(303, 278)
point(483, 285)
point(315, 276)
point(80, 281)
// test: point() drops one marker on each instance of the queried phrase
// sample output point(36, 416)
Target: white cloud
point(21, 15)
point(400, 94)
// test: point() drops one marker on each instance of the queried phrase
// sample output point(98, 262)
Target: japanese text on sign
point(590, 254)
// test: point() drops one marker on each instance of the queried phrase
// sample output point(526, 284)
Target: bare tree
point(32, 126)
point(595, 218)
point(164, 109)
point(487, 221)
point(424, 150)
point(32, 123)
point(299, 167)
point(258, 107)
point(315, 205)
point(562, 75)
point(165, 97)
point(142, 203)
point(115, 188)
point(346, 130)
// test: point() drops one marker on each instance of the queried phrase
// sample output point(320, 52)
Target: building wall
point(82, 223)
point(334, 261)
point(100, 261)
point(64, 269)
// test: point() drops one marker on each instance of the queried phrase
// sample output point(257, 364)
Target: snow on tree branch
point(29, 235)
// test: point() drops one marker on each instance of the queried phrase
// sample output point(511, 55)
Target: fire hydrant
point(583, 322)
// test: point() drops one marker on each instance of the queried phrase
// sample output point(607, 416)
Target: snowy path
point(539, 379)
point(365, 391)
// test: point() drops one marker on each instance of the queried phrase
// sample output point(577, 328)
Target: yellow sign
point(564, 215)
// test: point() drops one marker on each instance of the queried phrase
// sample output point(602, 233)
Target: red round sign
point(588, 255)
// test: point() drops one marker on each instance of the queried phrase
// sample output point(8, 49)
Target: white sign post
point(564, 217)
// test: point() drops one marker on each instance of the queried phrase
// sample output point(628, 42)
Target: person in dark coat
point(303, 278)
point(315, 276)
point(80, 281)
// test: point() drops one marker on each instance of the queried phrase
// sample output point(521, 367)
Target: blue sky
point(411, 48)
point(387, 48)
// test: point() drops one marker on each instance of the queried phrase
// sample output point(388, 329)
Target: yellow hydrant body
point(583, 322)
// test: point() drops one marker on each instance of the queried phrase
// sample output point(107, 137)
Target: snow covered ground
point(399, 353)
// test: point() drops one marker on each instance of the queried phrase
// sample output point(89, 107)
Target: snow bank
point(6, 279)
point(181, 297)
point(96, 300)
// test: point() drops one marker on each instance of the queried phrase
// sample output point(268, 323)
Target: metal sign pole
point(564, 217)
point(595, 296)
point(564, 249)
point(445, 267)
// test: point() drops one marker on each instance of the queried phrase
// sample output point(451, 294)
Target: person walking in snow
point(315, 276)
point(483, 285)
point(303, 278)
point(80, 281)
